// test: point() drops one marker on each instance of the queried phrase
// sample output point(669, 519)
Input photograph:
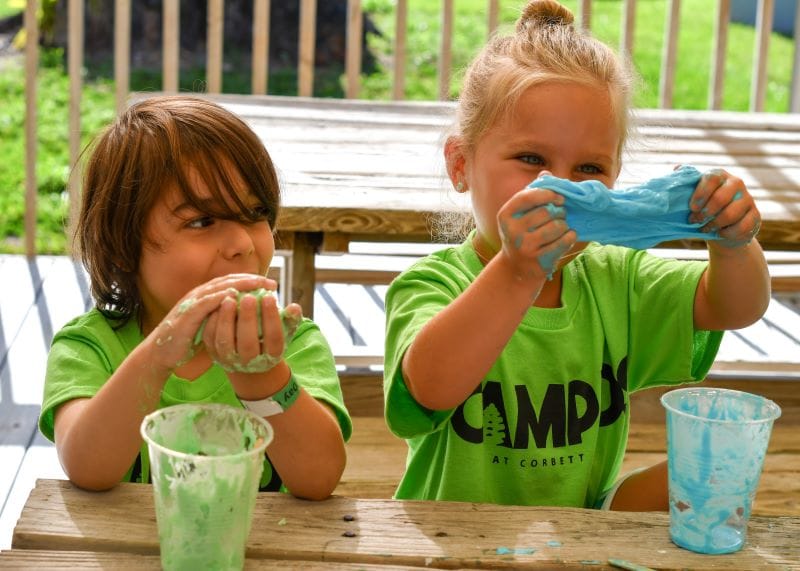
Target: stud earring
point(460, 186)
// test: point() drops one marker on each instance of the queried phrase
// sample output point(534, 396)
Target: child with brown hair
point(180, 201)
point(510, 358)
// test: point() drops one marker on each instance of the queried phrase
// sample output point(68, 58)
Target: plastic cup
point(716, 443)
point(206, 462)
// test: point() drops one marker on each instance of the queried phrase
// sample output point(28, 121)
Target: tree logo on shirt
point(567, 411)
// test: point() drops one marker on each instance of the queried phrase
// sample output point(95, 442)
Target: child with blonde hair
point(180, 201)
point(511, 357)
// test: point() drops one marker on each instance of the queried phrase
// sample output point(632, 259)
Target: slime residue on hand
point(262, 362)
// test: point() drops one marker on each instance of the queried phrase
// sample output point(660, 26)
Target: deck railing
point(307, 26)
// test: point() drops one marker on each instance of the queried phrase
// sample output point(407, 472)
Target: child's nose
point(236, 240)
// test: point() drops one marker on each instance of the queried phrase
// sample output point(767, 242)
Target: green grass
point(692, 71)
point(8, 8)
point(690, 88)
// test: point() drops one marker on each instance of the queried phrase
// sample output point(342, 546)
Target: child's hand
point(724, 204)
point(174, 337)
point(534, 232)
point(250, 338)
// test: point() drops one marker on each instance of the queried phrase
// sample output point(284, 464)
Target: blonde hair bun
point(541, 13)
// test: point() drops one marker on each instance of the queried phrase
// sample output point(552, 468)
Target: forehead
point(220, 181)
point(563, 112)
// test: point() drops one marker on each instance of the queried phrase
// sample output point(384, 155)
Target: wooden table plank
point(433, 534)
point(53, 560)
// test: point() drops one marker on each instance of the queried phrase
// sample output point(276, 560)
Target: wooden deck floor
point(37, 297)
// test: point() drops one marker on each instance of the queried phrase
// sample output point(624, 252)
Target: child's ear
point(455, 160)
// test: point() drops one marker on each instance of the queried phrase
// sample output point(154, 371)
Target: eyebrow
point(202, 206)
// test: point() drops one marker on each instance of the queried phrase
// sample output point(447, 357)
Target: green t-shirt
point(548, 425)
point(87, 350)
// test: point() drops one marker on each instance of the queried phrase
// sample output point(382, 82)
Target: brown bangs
point(234, 165)
point(232, 188)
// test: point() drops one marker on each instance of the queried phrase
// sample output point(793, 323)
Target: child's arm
point(308, 447)
point(735, 288)
point(98, 438)
point(644, 491)
point(457, 347)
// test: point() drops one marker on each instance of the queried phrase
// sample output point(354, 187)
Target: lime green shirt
point(87, 350)
point(548, 425)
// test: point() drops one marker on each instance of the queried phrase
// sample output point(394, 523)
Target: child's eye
point(590, 169)
point(200, 222)
point(531, 159)
point(261, 212)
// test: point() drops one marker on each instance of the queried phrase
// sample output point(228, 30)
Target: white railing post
point(122, 52)
point(399, 82)
point(669, 56)
point(216, 19)
point(445, 49)
point(758, 85)
point(31, 69)
point(74, 67)
point(718, 51)
point(171, 45)
point(628, 28)
point(308, 41)
point(354, 32)
point(585, 14)
point(260, 71)
point(492, 16)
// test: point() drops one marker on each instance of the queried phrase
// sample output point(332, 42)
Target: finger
point(729, 200)
point(709, 182)
point(273, 342)
point(234, 282)
point(528, 199)
point(540, 215)
point(552, 252)
point(744, 230)
point(248, 344)
point(291, 316)
point(190, 314)
point(224, 340)
point(728, 216)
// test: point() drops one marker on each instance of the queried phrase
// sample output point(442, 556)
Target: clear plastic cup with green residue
point(716, 443)
point(206, 463)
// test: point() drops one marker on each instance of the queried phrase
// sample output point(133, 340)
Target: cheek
point(265, 245)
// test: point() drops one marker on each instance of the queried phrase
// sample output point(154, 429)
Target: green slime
point(264, 361)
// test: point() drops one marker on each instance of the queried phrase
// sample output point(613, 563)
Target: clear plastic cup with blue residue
point(716, 443)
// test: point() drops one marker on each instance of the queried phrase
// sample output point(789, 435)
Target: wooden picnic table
point(373, 171)
point(119, 526)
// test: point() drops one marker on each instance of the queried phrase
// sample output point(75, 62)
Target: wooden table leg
point(303, 271)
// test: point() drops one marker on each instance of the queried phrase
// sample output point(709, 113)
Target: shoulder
point(91, 324)
point(95, 334)
point(454, 267)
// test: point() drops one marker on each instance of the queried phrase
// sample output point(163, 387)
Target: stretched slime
point(638, 217)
